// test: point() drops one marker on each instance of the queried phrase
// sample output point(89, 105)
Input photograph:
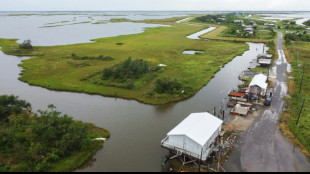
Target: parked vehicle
point(268, 101)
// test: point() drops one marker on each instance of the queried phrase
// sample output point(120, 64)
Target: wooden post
point(200, 159)
point(300, 111)
point(223, 115)
point(268, 74)
point(264, 49)
point(214, 111)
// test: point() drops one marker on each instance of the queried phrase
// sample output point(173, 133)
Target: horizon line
point(154, 10)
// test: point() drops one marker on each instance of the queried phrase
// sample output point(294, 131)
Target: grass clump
point(78, 64)
point(100, 57)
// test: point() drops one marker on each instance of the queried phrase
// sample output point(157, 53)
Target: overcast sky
point(146, 5)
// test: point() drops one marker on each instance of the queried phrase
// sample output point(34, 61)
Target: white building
point(264, 56)
point(258, 86)
point(264, 62)
point(270, 25)
point(241, 22)
point(194, 136)
point(249, 29)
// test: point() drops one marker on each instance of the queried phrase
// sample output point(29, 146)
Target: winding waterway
point(136, 128)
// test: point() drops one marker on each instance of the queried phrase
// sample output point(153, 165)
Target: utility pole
point(302, 78)
point(297, 55)
point(300, 111)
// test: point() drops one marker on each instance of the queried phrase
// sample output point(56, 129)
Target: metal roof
point(259, 80)
point(264, 61)
point(198, 127)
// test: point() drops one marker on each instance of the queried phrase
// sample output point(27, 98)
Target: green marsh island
point(148, 67)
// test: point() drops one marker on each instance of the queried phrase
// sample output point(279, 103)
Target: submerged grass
point(160, 45)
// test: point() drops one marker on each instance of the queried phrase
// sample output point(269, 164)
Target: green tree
point(26, 45)
point(129, 69)
point(12, 105)
point(34, 142)
point(168, 86)
point(307, 23)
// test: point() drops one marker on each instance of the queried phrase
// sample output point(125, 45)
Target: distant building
point(264, 62)
point(264, 56)
point(249, 29)
point(239, 21)
point(308, 30)
point(253, 23)
point(270, 25)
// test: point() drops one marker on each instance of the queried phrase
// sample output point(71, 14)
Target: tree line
point(32, 142)
point(297, 37)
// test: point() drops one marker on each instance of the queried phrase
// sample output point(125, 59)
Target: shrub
point(167, 86)
point(307, 23)
point(127, 69)
point(25, 45)
point(100, 57)
point(12, 105)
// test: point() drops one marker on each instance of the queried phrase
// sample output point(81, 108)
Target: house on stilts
point(194, 137)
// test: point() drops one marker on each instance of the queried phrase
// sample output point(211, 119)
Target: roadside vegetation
point(299, 89)
point(51, 68)
point(307, 23)
point(297, 37)
point(43, 141)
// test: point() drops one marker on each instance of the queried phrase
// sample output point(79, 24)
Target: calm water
point(303, 15)
point(192, 52)
point(196, 35)
point(48, 30)
point(136, 129)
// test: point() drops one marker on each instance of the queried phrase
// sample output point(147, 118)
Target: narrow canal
point(136, 129)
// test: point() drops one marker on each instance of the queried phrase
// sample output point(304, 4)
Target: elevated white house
point(194, 135)
point(258, 85)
